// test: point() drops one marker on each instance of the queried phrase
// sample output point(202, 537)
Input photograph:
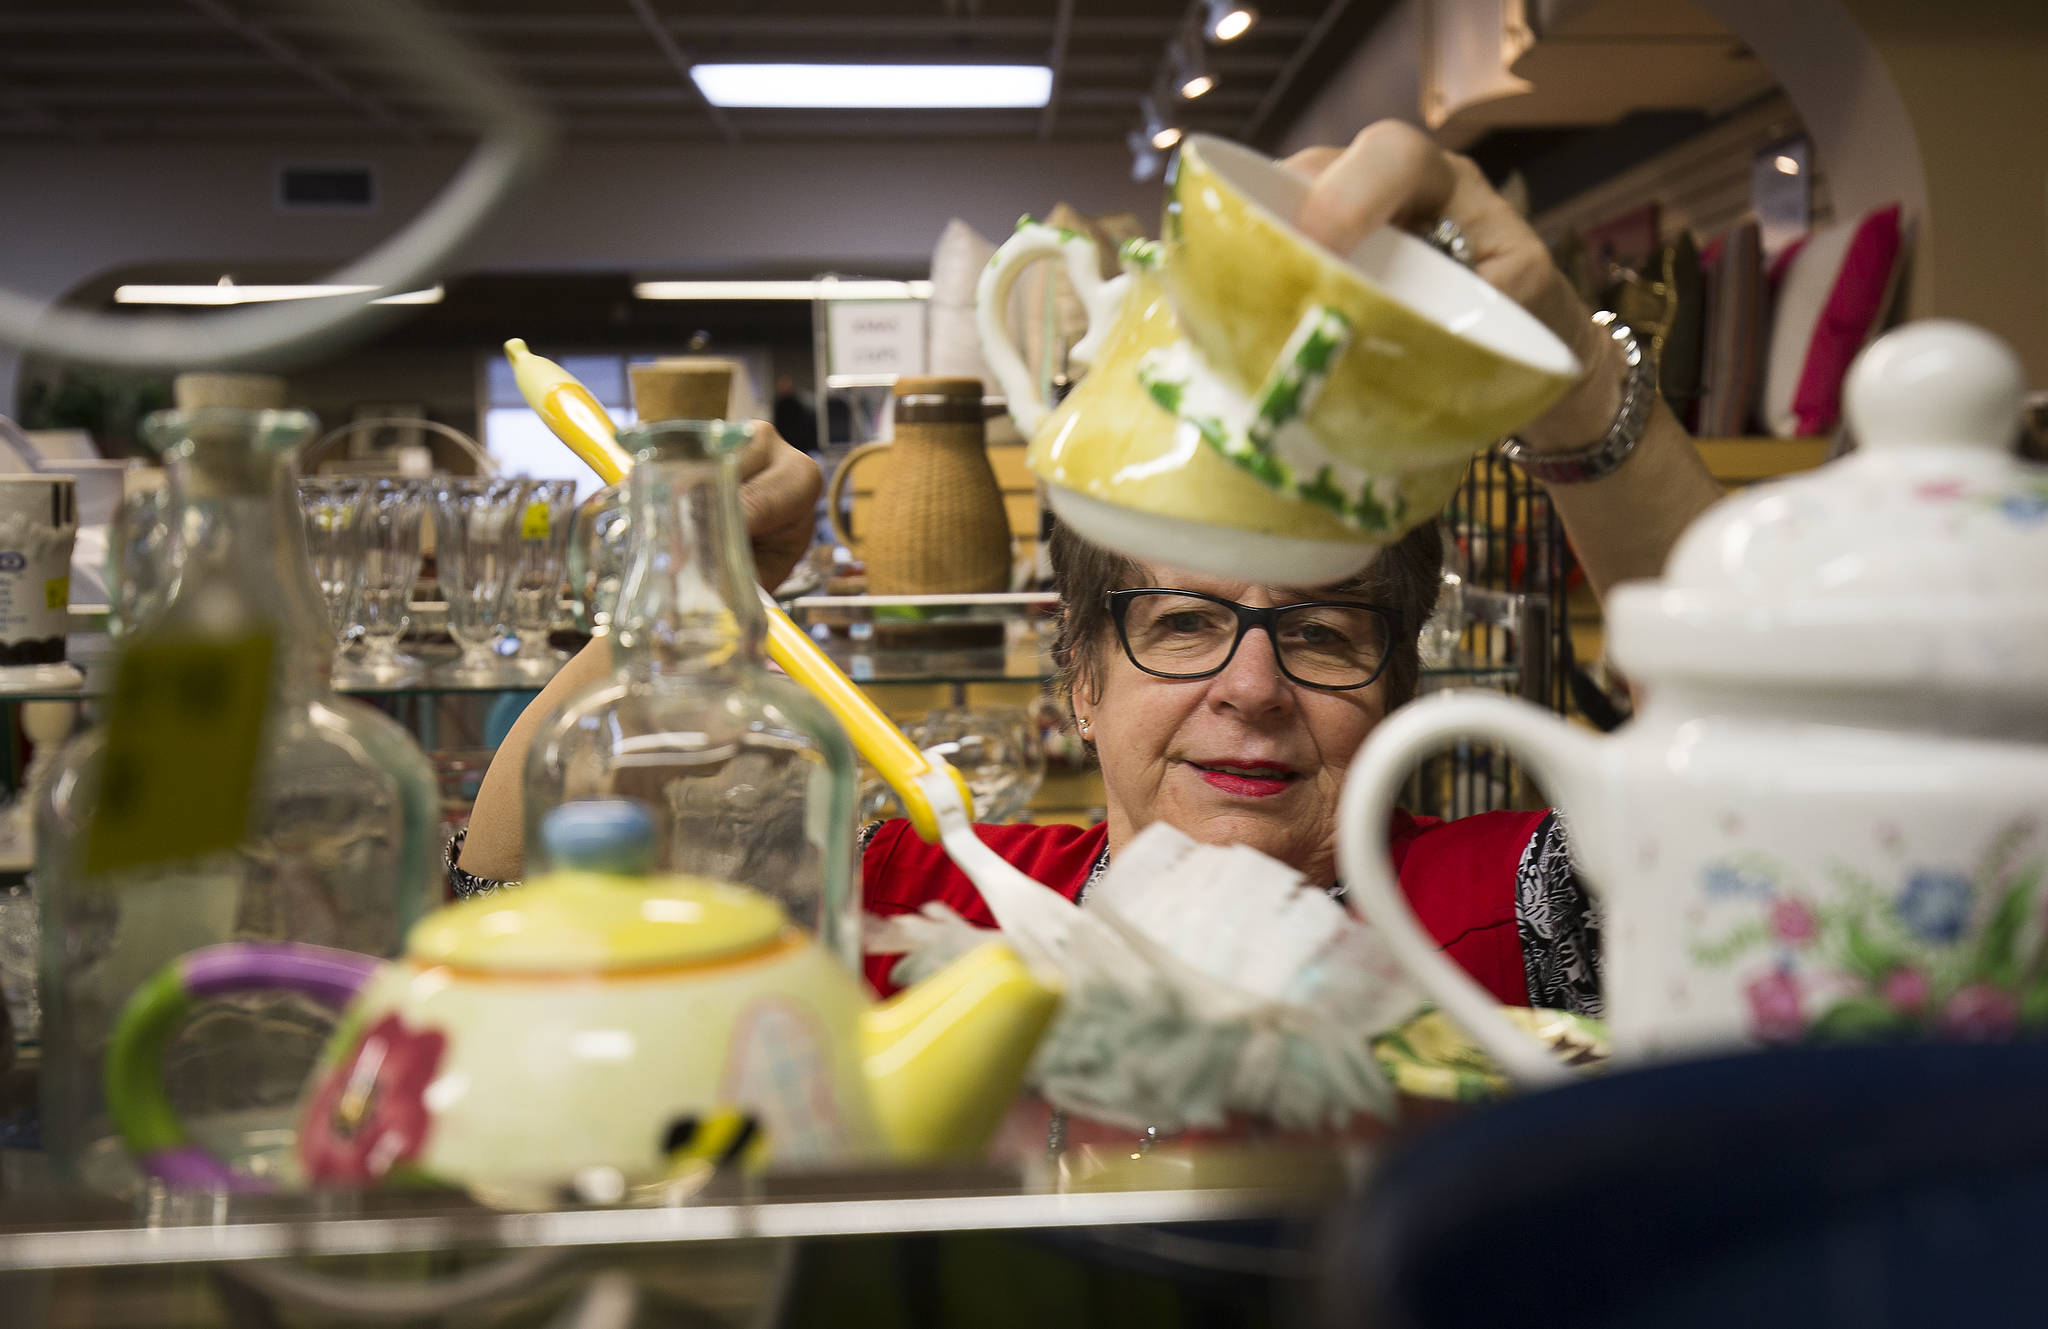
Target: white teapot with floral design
point(1829, 817)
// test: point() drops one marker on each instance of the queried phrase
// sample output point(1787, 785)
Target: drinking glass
point(1445, 630)
point(390, 524)
point(476, 551)
point(19, 940)
point(875, 801)
point(987, 745)
point(143, 555)
point(333, 508)
point(544, 519)
point(1028, 736)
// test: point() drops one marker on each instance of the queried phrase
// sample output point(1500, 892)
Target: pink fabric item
point(1847, 320)
point(1833, 288)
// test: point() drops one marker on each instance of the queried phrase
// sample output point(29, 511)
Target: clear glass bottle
point(340, 849)
point(749, 778)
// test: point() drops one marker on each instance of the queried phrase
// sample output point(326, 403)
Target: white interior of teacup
point(1406, 269)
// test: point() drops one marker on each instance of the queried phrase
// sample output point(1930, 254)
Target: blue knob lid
point(612, 835)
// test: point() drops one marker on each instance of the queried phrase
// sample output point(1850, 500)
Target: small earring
point(1084, 724)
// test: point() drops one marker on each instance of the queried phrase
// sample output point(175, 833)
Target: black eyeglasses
point(1333, 644)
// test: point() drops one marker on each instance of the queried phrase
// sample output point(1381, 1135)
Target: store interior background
point(142, 140)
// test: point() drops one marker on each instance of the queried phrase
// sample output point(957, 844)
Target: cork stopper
point(250, 392)
point(683, 388)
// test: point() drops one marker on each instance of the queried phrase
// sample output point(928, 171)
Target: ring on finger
point(1449, 238)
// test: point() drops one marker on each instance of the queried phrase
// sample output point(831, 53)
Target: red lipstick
point(1246, 779)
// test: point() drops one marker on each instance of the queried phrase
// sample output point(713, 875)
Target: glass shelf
point(53, 1231)
point(863, 663)
point(855, 632)
point(1468, 673)
point(866, 663)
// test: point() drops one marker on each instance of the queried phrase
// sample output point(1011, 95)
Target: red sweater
point(1459, 876)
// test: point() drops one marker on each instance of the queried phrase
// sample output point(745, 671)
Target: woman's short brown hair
point(1404, 578)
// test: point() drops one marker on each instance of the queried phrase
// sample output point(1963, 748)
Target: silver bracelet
point(1606, 454)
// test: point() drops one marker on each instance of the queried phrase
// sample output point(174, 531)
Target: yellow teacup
point(1324, 407)
point(1128, 475)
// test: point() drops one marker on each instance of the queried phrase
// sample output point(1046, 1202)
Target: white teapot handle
point(1563, 758)
point(1099, 300)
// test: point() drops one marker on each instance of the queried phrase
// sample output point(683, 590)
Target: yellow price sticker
point(533, 523)
point(57, 593)
point(184, 736)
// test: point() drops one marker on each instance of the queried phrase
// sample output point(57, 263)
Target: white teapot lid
point(1918, 561)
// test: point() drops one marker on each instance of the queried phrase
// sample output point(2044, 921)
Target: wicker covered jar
point(938, 524)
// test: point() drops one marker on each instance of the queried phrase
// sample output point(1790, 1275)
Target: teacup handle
point(1099, 299)
point(1562, 758)
point(142, 1111)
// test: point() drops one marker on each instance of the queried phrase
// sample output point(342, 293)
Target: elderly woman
point(1231, 710)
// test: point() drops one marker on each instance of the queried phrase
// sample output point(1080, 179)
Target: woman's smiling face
point(1245, 756)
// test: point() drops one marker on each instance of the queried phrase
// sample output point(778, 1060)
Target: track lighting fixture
point(1160, 131)
point(1146, 160)
point(1192, 76)
point(1228, 20)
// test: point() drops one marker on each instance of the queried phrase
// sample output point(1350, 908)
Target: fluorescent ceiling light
point(783, 290)
point(874, 86)
point(225, 292)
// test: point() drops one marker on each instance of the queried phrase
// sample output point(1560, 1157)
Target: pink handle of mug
point(142, 1111)
point(1099, 299)
point(1564, 761)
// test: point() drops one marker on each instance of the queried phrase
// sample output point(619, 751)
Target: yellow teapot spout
point(944, 1060)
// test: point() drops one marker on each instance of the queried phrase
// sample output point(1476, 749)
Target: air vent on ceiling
point(326, 188)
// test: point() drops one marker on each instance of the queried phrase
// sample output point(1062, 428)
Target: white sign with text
point(879, 339)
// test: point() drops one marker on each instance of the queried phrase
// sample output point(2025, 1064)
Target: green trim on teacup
point(1364, 511)
point(1298, 374)
point(1138, 252)
point(1289, 392)
point(1063, 232)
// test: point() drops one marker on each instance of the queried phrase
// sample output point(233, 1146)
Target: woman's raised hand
point(1393, 173)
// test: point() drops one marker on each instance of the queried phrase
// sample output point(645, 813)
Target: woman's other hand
point(1393, 173)
point(779, 489)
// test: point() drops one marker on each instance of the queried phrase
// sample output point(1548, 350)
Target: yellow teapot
point(599, 1033)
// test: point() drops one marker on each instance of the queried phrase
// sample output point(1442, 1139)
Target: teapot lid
point(1915, 561)
point(601, 910)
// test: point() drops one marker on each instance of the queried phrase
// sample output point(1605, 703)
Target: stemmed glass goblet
point(476, 554)
point(393, 507)
point(333, 509)
point(544, 519)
